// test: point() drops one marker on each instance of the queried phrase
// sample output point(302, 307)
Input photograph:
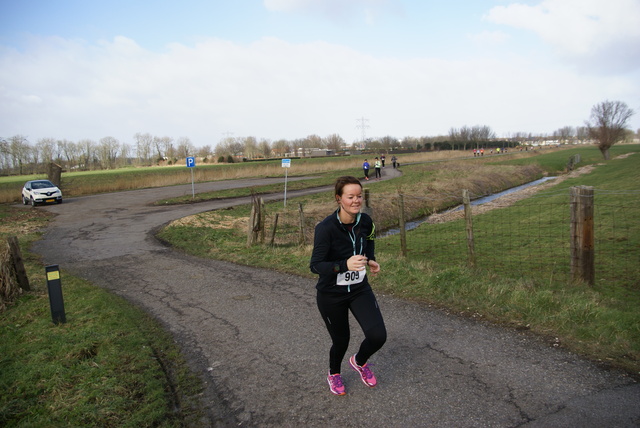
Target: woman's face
point(351, 199)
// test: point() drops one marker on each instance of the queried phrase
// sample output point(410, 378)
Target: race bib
point(351, 277)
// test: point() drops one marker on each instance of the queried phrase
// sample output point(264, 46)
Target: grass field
point(89, 371)
point(108, 365)
point(601, 322)
point(79, 183)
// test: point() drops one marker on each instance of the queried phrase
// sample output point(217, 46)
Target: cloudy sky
point(207, 69)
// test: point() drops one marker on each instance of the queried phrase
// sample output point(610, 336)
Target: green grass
point(555, 162)
point(110, 355)
point(108, 365)
point(322, 179)
point(535, 291)
point(601, 322)
point(78, 183)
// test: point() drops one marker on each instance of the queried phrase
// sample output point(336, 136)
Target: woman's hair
point(343, 181)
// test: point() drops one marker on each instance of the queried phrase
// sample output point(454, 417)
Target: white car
point(40, 192)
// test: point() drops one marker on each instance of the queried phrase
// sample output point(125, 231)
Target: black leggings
point(335, 308)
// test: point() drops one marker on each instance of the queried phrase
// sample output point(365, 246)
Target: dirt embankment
point(511, 198)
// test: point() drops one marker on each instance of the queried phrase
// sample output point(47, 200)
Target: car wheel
point(59, 201)
point(25, 201)
point(33, 202)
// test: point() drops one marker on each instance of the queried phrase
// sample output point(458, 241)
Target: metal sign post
point(286, 164)
point(191, 163)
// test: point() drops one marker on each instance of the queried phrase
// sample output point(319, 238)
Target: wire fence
point(529, 236)
point(532, 238)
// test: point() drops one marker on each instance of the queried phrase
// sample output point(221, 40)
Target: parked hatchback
point(40, 192)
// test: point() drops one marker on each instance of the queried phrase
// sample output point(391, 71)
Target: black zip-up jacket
point(334, 243)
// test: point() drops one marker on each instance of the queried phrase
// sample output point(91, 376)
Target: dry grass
point(422, 196)
point(20, 222)
point(509, 199)
point(9, 288)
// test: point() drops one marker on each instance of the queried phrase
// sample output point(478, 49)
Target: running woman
point(343, 249)
point(365, 168)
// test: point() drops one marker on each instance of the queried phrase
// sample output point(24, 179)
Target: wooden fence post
point(261, 220)
point(366, 208)
point(254, 222)
point(402, 224)
point(54, 173)
point(18, 264)
point(273, 231)
point(466, 200)
point(303, 240)
point(582, 235)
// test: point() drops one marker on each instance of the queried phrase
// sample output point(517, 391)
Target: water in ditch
point(483, 200)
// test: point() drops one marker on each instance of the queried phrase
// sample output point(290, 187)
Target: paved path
point(257, 341)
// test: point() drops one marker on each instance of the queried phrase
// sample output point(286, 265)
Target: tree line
point(605, 127)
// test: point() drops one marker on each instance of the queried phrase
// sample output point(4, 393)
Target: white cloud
point(604, 34)
point(275, 89)
point(490, 37)
point(334, 10)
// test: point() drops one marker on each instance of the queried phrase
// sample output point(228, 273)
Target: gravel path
point(257, 341)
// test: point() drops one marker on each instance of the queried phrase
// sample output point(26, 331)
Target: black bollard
point(54, 286)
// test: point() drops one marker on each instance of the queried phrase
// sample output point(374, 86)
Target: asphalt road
point(256, 339)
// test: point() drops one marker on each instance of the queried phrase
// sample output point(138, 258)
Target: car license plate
point(50, 200)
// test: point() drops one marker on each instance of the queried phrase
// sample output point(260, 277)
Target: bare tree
point(143, 147)
point(374, 145)
point(229, 146)
point(20, 152)
point(582, 133)
point(5, 156)
point(565, 134)
point(607, 124)
point(46, 148)
point(409, 143)
point(185, 147)
point(68, 152)
point(475, 135)
point(86, 150)
point(388, 142)
point(125, 154)
point(281, 148)
point(462, 136)
point(205, 151)
point(312, 141)
point(162, 145)
point(107, 152)
point(334, 142)
point(250, 147)
point(265, 148)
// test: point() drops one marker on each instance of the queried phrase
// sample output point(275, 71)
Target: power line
point(362, 125)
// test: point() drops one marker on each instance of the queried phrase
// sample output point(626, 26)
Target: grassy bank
point(108, 365)
point(111, 365)
point(79, 183)
point(601, 322)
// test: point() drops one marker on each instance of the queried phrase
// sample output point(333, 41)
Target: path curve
point(257, 341)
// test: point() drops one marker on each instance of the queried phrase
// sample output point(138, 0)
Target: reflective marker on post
point(54, 286)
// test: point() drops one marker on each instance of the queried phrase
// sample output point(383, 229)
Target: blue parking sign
point(191, 161)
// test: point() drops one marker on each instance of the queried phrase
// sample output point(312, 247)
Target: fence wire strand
point(531, 239)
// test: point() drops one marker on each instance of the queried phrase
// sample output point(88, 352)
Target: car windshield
point(41, 184)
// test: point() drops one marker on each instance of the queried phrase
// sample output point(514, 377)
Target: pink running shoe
point(335, 384)
point(365, 372)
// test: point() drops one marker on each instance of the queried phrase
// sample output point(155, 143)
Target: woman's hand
point(374, 266)
point(357, 263)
